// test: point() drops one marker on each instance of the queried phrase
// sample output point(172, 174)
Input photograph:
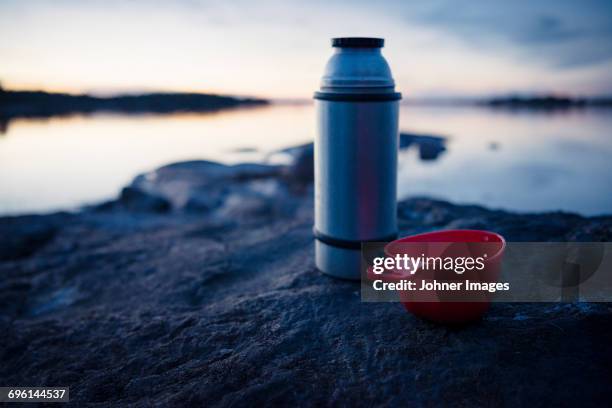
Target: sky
point(277, 49)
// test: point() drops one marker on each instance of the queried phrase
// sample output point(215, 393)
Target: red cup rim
point(419, 238)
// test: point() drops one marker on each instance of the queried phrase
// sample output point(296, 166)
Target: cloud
point(547, 29)
point(561, 33)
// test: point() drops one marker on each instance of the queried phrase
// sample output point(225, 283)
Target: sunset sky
point(278, 49)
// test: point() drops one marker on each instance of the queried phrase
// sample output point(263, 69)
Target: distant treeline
point(44, 104)
point(548, 102)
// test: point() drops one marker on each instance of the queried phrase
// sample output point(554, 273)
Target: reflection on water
point(520, 161)
point(3, 126)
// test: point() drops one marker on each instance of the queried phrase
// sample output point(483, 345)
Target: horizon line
point(438, 98)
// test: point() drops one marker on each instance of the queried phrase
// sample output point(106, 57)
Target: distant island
point(526, 102)
point(15, 104)
point(547, 102)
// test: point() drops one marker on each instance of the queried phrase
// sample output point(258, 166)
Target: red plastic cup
point(441, 307)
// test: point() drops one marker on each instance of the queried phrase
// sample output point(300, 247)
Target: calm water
point(519, 161)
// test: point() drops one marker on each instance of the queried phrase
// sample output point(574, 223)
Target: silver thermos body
point(355, 155)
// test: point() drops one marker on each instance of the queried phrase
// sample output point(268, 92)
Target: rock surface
point(197, 286)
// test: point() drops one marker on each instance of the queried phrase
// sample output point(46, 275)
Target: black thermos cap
point(358, 42)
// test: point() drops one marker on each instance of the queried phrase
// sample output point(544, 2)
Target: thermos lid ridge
point(358, 42)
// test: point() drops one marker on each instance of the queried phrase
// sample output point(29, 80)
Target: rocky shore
point(197, 286)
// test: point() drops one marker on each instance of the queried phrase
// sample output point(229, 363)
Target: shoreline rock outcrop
point(197, 286)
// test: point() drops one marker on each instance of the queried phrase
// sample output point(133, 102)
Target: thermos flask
point(355, 155)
